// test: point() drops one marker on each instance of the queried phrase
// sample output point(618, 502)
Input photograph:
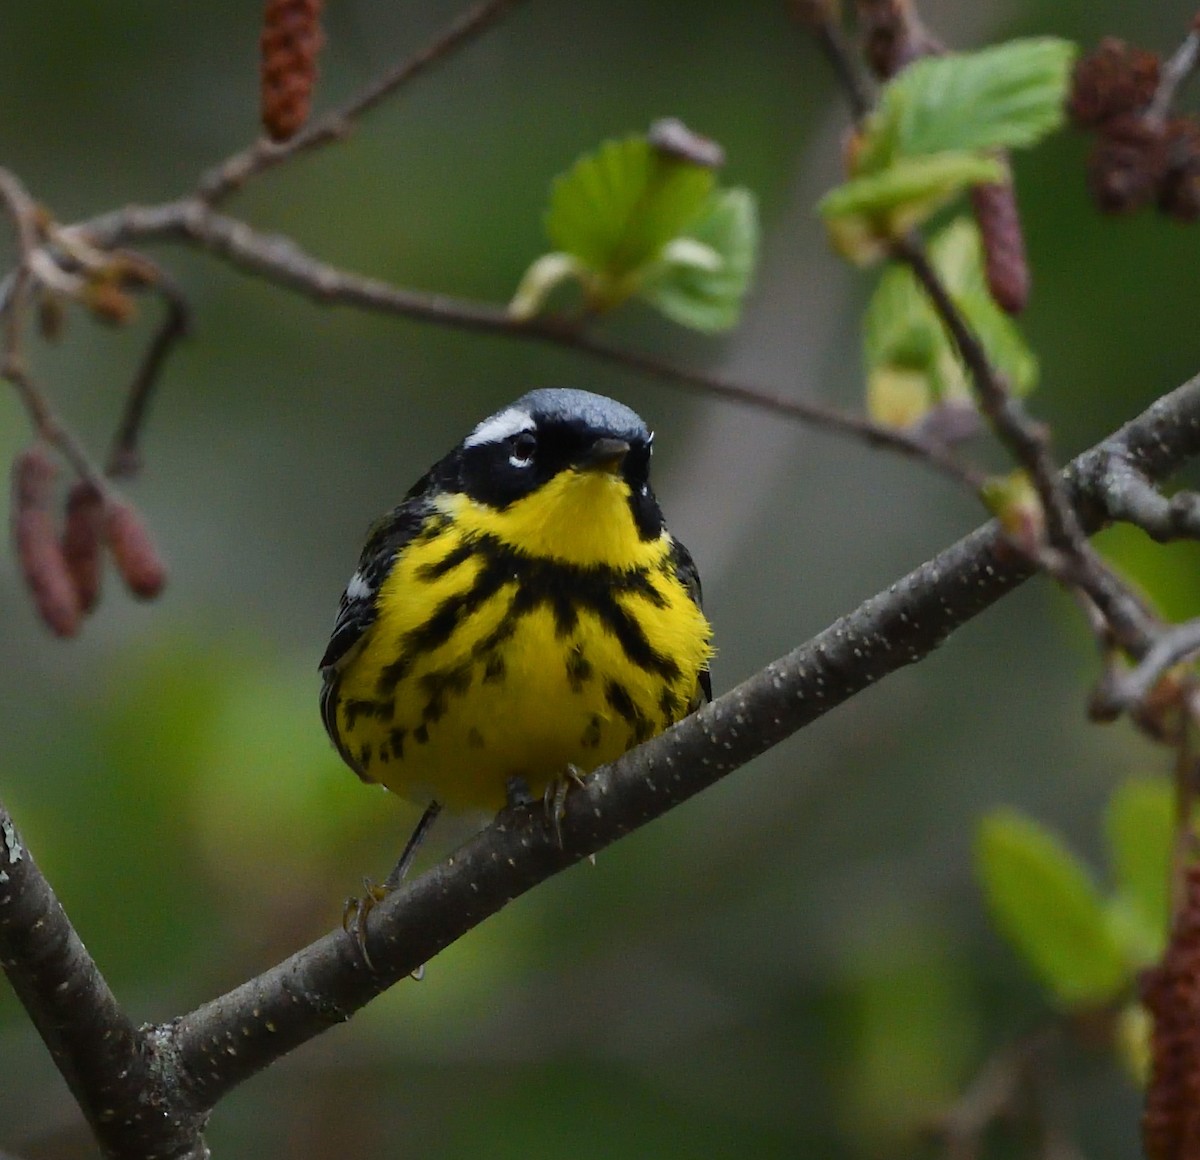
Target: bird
point(522, 617)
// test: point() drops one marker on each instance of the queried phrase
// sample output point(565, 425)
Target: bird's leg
point(554, 800)
point(354, 914)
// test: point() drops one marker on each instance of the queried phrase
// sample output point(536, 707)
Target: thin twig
point(1175, 645)
point(23, 212)
point(823, 19)
point(282, 261)
point(236, 170)
point(1072, 559)
point(124, 458)
point(1135, 500)
point(997, 1092)
point(1182, 63)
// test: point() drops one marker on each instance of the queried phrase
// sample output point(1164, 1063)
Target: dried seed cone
point(1005, 265)
point(35, 537)
point(1171, 993)
point(291, 40)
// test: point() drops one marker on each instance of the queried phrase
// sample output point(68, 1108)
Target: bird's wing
point(689, 576)
point(356, 612)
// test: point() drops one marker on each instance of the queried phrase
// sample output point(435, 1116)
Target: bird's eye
point(523, 448)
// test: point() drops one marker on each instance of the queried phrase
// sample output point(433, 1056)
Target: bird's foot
point(554, 800)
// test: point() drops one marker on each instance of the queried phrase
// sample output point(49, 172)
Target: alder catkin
point(35, 538)
point(1171, 993)
point(1115, 80)
point(1005, 265)
point(133, 551)
point(81, 542)
point(291, 40)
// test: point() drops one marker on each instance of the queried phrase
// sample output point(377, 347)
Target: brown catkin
point(35, 538)
point(1128, 163)
point(133, 551)
point(82, 539)
point(1005, 265)
point(1171, 993)
point(1179, 192)
point(1114, 80)
point(291, 40)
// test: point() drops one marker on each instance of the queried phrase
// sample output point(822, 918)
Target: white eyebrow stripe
point(500, 427)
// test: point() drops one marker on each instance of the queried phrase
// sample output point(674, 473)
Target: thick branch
point(231, 1038)
point(105, 1060)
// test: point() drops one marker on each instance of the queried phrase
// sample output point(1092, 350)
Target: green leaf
point(957, 255)
point(1139, 825)
point(902, 331)
point(704, 274)
point(1044, 902)
point(865, 215)
point(617, 208)
point(1009, 96)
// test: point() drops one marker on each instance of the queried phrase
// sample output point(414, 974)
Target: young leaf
point(865, 215)
point(1009, 96)
point(897, 397)
point(902, 331)
point(1139, 825)
point(537, 283)
point(702, 285)
point(616, 209)
point(1045, 903)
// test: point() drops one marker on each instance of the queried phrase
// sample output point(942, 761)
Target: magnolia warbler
point(524, 615)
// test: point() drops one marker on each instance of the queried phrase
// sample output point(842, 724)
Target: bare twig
point(823, 19)
point(1176, 70)
point(23, 213)
point(1175, 645)
point(124, 458)
point(282, 261)
point(1000, 1091)
point(1134, 499)
point(1072, 559)
point(235, 171)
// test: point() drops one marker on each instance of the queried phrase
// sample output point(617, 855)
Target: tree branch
point(147, 1091)
point(133, 1107)
point(282, 261)
point(226, 1041)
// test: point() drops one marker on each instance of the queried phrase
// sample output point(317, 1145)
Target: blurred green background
point(795, 964)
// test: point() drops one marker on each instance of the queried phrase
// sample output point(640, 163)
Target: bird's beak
point(605, 454)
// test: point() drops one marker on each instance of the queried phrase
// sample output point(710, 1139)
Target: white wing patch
point(501, 426)
point(358, 588)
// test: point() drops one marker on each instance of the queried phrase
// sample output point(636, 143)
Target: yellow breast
point(516, 643)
